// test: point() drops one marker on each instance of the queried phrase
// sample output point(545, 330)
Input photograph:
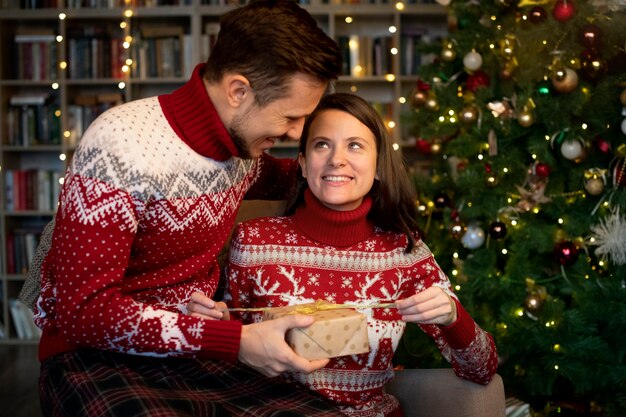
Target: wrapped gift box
point(335, 331)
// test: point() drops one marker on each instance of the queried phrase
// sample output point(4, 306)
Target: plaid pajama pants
point(95, 383)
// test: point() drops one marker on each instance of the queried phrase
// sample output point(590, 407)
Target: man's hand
point(431, 306)
point(263, 347)
point(202, 306)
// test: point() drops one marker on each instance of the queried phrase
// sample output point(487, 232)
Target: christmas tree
point(523, 115)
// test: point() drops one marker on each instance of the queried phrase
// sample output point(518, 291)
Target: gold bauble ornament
point(507, 46)
point(526, 118)
point(469, 114)
point(418, 98)
point(594, 186)
point(457, 230)
point(536, 297)
point(565, 81)
point(533, 303)
point(432, 104)
point(491, 180)
point(595, 181)
point(448, 55)
point(448, 52)
point(622, 97)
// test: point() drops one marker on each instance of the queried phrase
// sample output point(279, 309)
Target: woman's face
point(340, 161)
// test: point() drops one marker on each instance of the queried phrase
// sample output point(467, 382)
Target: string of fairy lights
point(63, 64)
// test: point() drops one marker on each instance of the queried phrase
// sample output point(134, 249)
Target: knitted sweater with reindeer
point(148, 201)
point(341, 257)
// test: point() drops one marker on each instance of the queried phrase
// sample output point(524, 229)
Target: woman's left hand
point(431, 306)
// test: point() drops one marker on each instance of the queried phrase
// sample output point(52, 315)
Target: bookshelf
point(61, 65)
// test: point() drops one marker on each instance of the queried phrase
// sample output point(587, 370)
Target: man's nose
point(295, 130)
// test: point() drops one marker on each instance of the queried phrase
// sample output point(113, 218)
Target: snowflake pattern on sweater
point(273, 263)
point(142, 216)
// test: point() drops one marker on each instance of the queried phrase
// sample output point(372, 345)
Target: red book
point(10, 254)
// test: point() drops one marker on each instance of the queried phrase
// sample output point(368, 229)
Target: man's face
point(255, 129)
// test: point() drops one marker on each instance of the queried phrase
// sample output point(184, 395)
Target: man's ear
point(238, 89)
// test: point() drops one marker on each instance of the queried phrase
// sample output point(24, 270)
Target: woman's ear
point(302, 163)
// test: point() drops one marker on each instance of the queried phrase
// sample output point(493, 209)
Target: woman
point(350, 236)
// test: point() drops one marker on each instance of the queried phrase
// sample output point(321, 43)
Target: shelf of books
point(64, 62)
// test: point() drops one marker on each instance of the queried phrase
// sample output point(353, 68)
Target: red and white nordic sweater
point(341, 257)
point(148, 201)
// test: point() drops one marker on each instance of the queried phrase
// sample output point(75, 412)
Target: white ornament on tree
point(572, 149)
point(474, 237)
point(472, 61)
point(608, 236)
point(444, 2)
point(624, 126)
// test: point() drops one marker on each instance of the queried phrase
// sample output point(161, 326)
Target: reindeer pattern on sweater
point(272, 263)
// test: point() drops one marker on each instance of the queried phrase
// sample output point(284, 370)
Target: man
point(148, 201)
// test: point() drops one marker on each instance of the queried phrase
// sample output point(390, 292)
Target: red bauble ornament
point(497, 230)
point(603, 145)
point(537, 15)
point(542, 170)
point(442, 200)
point(423, 146)
point(563, 10)
point(477, 80)
point(591, 36)
point(566, 253)
point(592, 66)
point(619, 173)
point(422, 86)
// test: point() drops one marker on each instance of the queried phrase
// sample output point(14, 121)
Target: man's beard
point(237, 126)
point(239, 142)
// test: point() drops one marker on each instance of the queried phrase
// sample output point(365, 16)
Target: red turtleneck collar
point(332, 227)
point(193, 117)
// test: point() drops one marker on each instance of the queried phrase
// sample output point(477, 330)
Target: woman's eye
point(355, 145)
point(321, 144)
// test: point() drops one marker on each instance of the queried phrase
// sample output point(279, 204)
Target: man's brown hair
point(269, 41)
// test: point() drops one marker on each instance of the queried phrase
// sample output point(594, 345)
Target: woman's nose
point(337, 159)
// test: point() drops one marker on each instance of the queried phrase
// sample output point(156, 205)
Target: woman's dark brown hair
point(393, 195)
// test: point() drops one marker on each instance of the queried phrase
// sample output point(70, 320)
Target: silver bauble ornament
point(472, 61)
point(474, 237)
point(572, 149)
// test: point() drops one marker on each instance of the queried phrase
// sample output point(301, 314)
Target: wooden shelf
point(65, 91)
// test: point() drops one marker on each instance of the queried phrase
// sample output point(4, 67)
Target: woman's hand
point(263, 347)
point(202, 306)
point(431, 306)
